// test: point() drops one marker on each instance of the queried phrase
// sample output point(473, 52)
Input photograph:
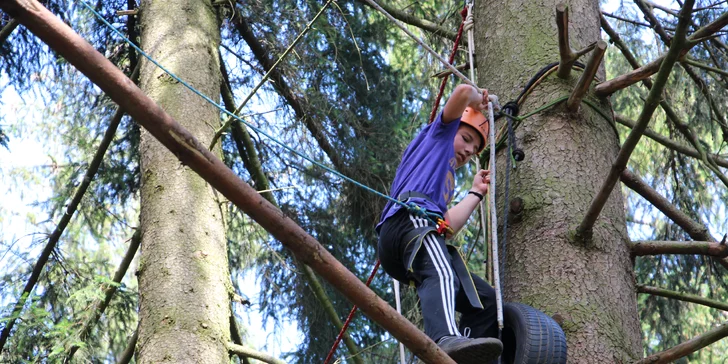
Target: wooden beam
point(192, 153)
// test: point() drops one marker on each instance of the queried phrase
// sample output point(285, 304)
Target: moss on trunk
point(184, 281)
point(590, 288)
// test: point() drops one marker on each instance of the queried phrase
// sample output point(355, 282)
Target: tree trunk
point(183, 275)
point(588, 287)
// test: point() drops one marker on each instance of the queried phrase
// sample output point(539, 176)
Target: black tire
point(531, 337)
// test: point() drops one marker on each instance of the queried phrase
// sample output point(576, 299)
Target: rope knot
point(417, 210)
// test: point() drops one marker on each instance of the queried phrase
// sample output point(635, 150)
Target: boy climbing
point(412, 248)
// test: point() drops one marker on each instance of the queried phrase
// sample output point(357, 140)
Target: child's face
point(466, 143)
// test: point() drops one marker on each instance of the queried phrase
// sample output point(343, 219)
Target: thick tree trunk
point(588, 287)
point(183, 274)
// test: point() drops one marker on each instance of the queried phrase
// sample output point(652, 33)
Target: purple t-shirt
point(428, 167)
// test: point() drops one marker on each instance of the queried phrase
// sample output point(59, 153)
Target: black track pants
point(437, 284)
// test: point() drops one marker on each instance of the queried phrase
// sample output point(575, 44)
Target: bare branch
point(566, 55)
point(625, 19)
point(7, 30)
point(704, 66)
point(687, 347)
point(663, 8)
point(655, 291)
point(251, 353)
point(582, 86)
point(710, 248)
point(130, 348)
point(696, 231)
point(641, 73)
point(669, 143)
point(651, 103)
point(127, 12)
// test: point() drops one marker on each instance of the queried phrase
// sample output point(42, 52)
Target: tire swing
point(531, 337)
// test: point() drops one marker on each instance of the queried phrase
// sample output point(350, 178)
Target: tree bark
point(567, 157)
point(183, 276)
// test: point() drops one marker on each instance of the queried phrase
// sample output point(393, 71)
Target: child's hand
point(481, 182)
point(479, 99)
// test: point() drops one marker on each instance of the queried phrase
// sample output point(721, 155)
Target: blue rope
point(417, 210)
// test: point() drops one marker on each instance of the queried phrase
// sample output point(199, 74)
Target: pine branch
point(651, 103)
point(298, 104)
point(251, 353)
point(65, 219)
point(669, 143)
point(100, 307)
point(417, 22)
point(704, 66)
point(247, 150)
point(703, 87)
point(688, 347)
point(655, 291)
point(696, 231)
point(128, 353)
point(657, 247)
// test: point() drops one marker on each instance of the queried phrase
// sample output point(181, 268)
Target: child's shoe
point(471, 351)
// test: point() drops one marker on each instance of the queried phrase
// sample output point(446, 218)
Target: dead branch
point(566, 55)
point(687, 347)
point(7, 30)
point(655, 291)
point(582, 86)
point(696, 231)
point(651, 103)
point(641, 73)
point(417, 22)
point(655, 24)
point(710, 248)
point(604, 13)
point(130, 348)
point(252, 353)
point(127, 12)
point(704, 66)
point(669, 143)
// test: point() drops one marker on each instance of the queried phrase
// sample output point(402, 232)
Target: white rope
point(491, 196)
point(399, 311)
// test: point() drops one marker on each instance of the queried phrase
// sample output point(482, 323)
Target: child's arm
point(458, 215)
point(462, 97)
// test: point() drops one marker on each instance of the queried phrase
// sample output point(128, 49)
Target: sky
point(30, 150)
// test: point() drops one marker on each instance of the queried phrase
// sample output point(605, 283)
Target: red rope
point(464, 14)
point(348, 319)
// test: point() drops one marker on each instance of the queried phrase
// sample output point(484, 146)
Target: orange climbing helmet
point(477, 121)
